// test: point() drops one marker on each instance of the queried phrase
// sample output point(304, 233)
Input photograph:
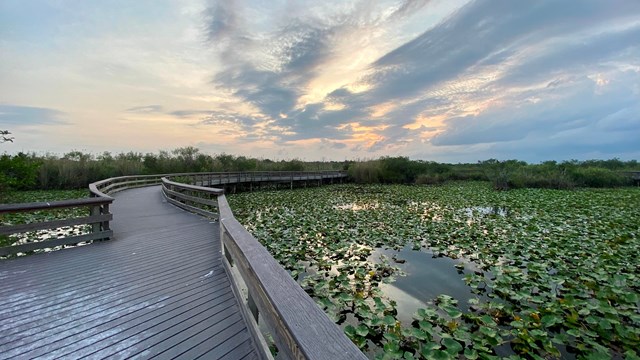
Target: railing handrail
point(95, 187)
point(99, 216)
point(165, 180)
point(58, 204)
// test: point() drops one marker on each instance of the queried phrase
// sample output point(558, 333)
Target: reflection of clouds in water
point(407, 304)
point(426, 278)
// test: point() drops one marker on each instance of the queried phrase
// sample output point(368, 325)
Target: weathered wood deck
point(158, 289)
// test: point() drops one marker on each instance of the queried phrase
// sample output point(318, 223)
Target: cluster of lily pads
point(42, 215)
point(554, 273)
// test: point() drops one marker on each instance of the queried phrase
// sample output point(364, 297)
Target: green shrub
point(19, 172)
point(433, 179)
point(369, 172)
point(599, 177)
point(526, 178)
point(399, 170)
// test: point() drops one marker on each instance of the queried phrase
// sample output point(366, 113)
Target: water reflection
point(426, 278)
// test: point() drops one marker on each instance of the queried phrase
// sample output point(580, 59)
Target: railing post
point(96, 226)
point(105, 224)
point(252, 306)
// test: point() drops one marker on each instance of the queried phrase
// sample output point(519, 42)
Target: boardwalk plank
point(239, 352)
point(220, 344)
point(81, 321)
point(165, 340)
point(192, 347)
point(132, 332)
point(25, 272)
point(70, 298)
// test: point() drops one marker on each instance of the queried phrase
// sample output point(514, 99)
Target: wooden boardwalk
point(158, 289)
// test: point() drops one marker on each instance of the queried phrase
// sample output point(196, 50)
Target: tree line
point(76, 169)
point(504, 175)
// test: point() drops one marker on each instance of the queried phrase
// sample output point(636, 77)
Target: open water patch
point(425, 277)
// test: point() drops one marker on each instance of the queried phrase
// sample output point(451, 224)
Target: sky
point(441, 80)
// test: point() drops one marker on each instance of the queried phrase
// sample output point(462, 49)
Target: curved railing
point(98, 217)
point(106, 187)
point(198, 192)
point(300, 329)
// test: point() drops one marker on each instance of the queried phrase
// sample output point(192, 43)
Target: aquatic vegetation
point(550, 273)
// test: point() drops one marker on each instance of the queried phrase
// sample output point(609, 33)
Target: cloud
point(562, 55)
point(490, 73)
point(481, 67)
point(221, 21)
point(221, 118)
point(272, 68)
point(146, 109)
point(275, 82)
point(579, 104)
point(331, 144)
point(407, 8)
point(490, 32)
point(188, 113)
point(28, 115)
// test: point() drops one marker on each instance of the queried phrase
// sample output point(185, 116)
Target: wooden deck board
point(158, 288)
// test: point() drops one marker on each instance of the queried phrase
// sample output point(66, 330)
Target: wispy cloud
point(29, 115)
point(145, 109)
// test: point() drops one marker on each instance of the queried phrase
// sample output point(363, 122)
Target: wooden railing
point(201, 201)
point(197, 199)
point(104, 188)
point(98, 217)
point(196, 192)
point(300, 329)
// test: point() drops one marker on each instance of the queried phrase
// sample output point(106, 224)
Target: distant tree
point(4, 136)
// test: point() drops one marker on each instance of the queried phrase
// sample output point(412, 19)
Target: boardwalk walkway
point(158, 289)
